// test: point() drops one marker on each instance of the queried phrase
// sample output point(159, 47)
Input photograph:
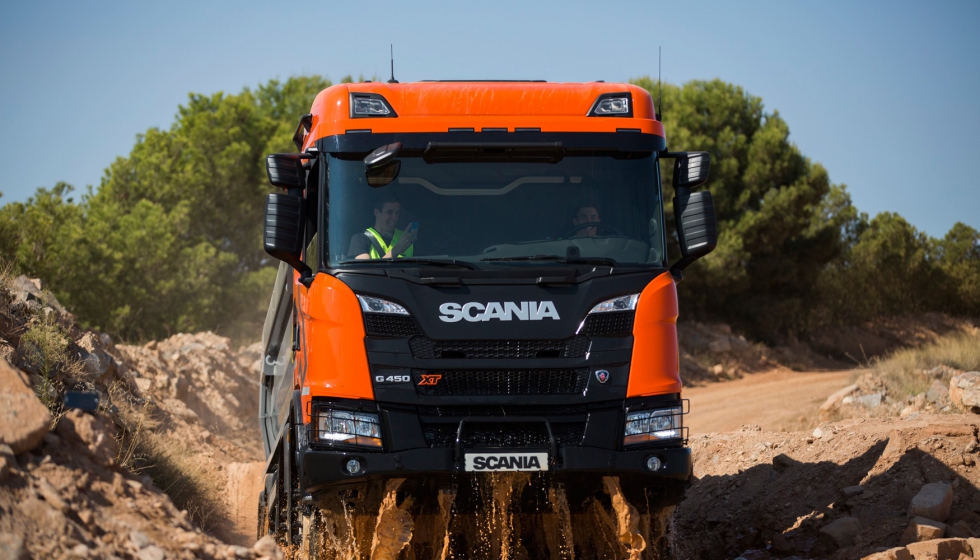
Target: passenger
point(586, 214)
point(383, 241)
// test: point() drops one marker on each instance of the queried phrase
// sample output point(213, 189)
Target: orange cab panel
point(333, 342)
point(655, 368)
point(438, 107)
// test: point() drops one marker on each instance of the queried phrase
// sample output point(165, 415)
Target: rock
point(96, 431)
point(23, 419)
point(7, 461)
point(139, 539)
point(151, 552)
point(235, 551)
point(27, 290)
point(964, 391)
point(842, 531)
point(961, 529)
point(851, 491)
point(720, 345)
point(933, 501)
point(870, 401)
point(941, 549)
point(12, 546)
point(900, 553)
point(938, 393)
point(834, 400)
point(922, 529)
point(51, 495)
point(267, 547)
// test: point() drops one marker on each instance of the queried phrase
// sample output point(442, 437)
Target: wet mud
point(486, 517)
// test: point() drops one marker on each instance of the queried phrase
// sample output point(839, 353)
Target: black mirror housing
point(285, 171)
point(691, 169)
point(697, 229)
point(382, 156)
point(282, 235)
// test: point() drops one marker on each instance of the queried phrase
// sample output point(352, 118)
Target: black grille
point(504, 434)
point(606, 324)
point(462, 410)
point(428, 349)
point(377, 324)
point(500, 382)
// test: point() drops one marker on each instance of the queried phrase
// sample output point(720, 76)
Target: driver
point(586, 214)
point(383, 241)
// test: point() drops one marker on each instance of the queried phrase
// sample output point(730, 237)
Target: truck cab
point(475, 280)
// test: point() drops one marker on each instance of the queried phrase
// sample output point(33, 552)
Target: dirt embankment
point(843, 491)
point(146, 474)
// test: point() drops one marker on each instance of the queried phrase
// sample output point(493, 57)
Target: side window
point(310, 256)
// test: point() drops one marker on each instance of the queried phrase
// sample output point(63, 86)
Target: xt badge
point(601, 375)
point(429, 380)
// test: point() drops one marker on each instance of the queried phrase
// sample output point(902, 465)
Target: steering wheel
point(597, 225)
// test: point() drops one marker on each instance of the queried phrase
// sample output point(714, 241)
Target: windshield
point(586, 208)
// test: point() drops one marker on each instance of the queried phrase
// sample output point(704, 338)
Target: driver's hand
point(404, 243)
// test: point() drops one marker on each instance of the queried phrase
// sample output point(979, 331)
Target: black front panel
point(500, 382)
point(428, 349)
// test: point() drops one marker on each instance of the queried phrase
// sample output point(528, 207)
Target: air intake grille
point(500, 382)
point(428, 349)
point(607, 324)
point(503, 434)
point(377, 324)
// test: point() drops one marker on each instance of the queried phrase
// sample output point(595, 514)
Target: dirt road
point(778, 400)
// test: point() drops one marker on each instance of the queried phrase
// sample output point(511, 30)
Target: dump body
point(494, 345)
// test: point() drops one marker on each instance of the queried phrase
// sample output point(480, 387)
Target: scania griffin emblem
point(602, 375)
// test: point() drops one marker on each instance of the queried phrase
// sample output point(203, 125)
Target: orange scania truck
point(475, 279)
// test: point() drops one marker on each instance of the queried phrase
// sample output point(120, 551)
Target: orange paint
point(655, 367)
point(437, 107)
point(336, 362)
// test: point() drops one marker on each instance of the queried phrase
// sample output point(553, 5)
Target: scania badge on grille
point(602, 375)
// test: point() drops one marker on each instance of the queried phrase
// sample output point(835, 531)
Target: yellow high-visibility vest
point(373, 253)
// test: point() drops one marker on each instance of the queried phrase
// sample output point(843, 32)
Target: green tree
point(171, 240)
point(780, 218)
point(959, 259)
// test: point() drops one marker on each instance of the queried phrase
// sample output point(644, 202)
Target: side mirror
point(697, 230)
point(691, 169)
point(694, 212)
point(286, 171)
point(381, 167)
point(285, 216)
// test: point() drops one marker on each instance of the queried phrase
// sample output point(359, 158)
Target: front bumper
point(322, 469)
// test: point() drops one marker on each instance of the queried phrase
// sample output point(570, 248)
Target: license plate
point(499, 462)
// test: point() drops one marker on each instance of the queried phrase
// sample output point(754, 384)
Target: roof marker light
point(369, 105)
point(612, 105)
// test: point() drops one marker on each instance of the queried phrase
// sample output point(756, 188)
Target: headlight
point(659, 424)
point(342, 426)
point(377, 305)
point(621, 303)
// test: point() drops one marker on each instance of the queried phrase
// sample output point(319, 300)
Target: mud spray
point(497, 524)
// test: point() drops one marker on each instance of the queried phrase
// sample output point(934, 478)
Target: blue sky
point(886, 95)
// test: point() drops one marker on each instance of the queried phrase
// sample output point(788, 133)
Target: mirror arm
point(306, 276)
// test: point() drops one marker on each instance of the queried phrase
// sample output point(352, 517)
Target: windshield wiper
point(556, 258)
point(433, 262)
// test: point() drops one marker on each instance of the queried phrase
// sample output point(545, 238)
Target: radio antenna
point(660, 87)
point(392, 80)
